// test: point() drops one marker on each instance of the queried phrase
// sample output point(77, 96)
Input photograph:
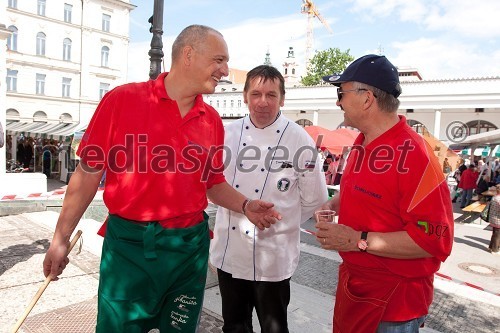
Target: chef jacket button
point(247, 232)
point(234, 228)
point(268, 148)
point(277, 131)
point(262, 169)
point(247, 127)
point(237, 185)
point(256, 190)
point(244, 144)
point(241, 164)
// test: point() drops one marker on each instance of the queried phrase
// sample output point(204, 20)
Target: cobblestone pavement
point(22, 240)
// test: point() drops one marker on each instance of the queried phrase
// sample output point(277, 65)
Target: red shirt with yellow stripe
point(395, 183)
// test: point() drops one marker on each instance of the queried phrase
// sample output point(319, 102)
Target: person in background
point(326, 166)
point(160, 167)
point(254, 267)
point(1, 136)
point(468, 181)
point(482, 186)
point(390, 199)
point(494, 220)
point(446, 167)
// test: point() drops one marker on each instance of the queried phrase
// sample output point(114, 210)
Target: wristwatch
point(363, 243)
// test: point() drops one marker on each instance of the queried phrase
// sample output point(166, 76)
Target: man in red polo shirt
point(161, 148)
point(395, 216)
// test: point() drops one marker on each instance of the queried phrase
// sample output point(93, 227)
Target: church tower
point(290, 65)
point(267, 60)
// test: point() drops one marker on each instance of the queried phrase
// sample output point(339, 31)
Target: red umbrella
point(334, 140)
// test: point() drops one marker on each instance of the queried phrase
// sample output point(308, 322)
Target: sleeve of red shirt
point(95, 142)
point(216, 160)
point(427, 210)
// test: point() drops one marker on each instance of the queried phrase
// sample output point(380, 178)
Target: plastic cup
point(325, 216)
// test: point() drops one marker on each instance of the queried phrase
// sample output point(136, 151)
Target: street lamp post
point(156, 51)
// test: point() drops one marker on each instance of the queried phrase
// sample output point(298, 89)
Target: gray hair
point(386, 102)
point(194, 35)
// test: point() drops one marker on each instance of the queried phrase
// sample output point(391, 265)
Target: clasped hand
point(262, 214)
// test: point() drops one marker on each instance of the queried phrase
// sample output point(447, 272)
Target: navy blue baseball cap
point(370, 69)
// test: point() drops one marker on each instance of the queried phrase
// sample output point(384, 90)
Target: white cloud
point(436, 60)
point(248, 43)
point(464, 17)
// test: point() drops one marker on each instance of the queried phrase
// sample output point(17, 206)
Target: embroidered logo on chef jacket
point(283, 184)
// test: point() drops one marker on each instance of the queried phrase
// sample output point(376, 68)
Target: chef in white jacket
point(267, 157)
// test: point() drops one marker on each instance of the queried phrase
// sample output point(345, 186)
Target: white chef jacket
point(288, 172)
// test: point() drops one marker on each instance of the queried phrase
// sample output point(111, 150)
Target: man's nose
point(225, 69)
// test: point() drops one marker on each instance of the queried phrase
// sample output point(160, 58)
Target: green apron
point(151, 277)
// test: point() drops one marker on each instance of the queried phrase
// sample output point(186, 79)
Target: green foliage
point(325, 63)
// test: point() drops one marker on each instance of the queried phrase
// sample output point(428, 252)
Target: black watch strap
point(363, 243)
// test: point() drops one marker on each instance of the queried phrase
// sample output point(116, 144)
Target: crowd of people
point(474, 178)
point(34, 154)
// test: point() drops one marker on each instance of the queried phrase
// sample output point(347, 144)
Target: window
point(68, 9)
point(217, 103)
point(106, 22)
point(286, 71)
point(67, 49)
point(66, 86)
point(12, 4)
point(293, 71)
point(40, 44)
point(480, 126)
point(417, 126)
point(40, 10)
point(12, 39)
point(232, 103)
point(224, 103)
point(103, 89)
point(105, 56)
point(11, 80)
point(40, 84)
point(239, 103)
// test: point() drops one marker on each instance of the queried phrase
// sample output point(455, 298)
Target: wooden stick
point(42, 288)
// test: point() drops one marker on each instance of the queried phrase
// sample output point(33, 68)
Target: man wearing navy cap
point(395, 216)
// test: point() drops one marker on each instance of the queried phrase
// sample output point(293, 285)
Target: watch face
point(362, 245)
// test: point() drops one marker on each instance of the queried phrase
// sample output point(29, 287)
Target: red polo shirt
point(395, 183)
point(158, 165)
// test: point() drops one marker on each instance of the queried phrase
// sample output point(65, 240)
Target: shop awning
point(42, 128)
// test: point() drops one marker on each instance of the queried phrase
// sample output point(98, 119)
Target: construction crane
point(309, 8)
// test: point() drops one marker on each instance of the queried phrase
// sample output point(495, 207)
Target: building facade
point(442, 107)
point(61, 57)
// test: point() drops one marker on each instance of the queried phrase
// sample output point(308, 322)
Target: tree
point(325, 63)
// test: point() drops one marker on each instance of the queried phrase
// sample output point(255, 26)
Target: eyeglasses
point(340, 92)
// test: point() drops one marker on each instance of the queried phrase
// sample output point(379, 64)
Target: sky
point(442, 39)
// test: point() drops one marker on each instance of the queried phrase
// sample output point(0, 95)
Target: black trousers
point(239, 297)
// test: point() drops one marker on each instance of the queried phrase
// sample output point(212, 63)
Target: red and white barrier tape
point(34, 196)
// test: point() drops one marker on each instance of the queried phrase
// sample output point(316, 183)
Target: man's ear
point(370, 99)
point(187, 53)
